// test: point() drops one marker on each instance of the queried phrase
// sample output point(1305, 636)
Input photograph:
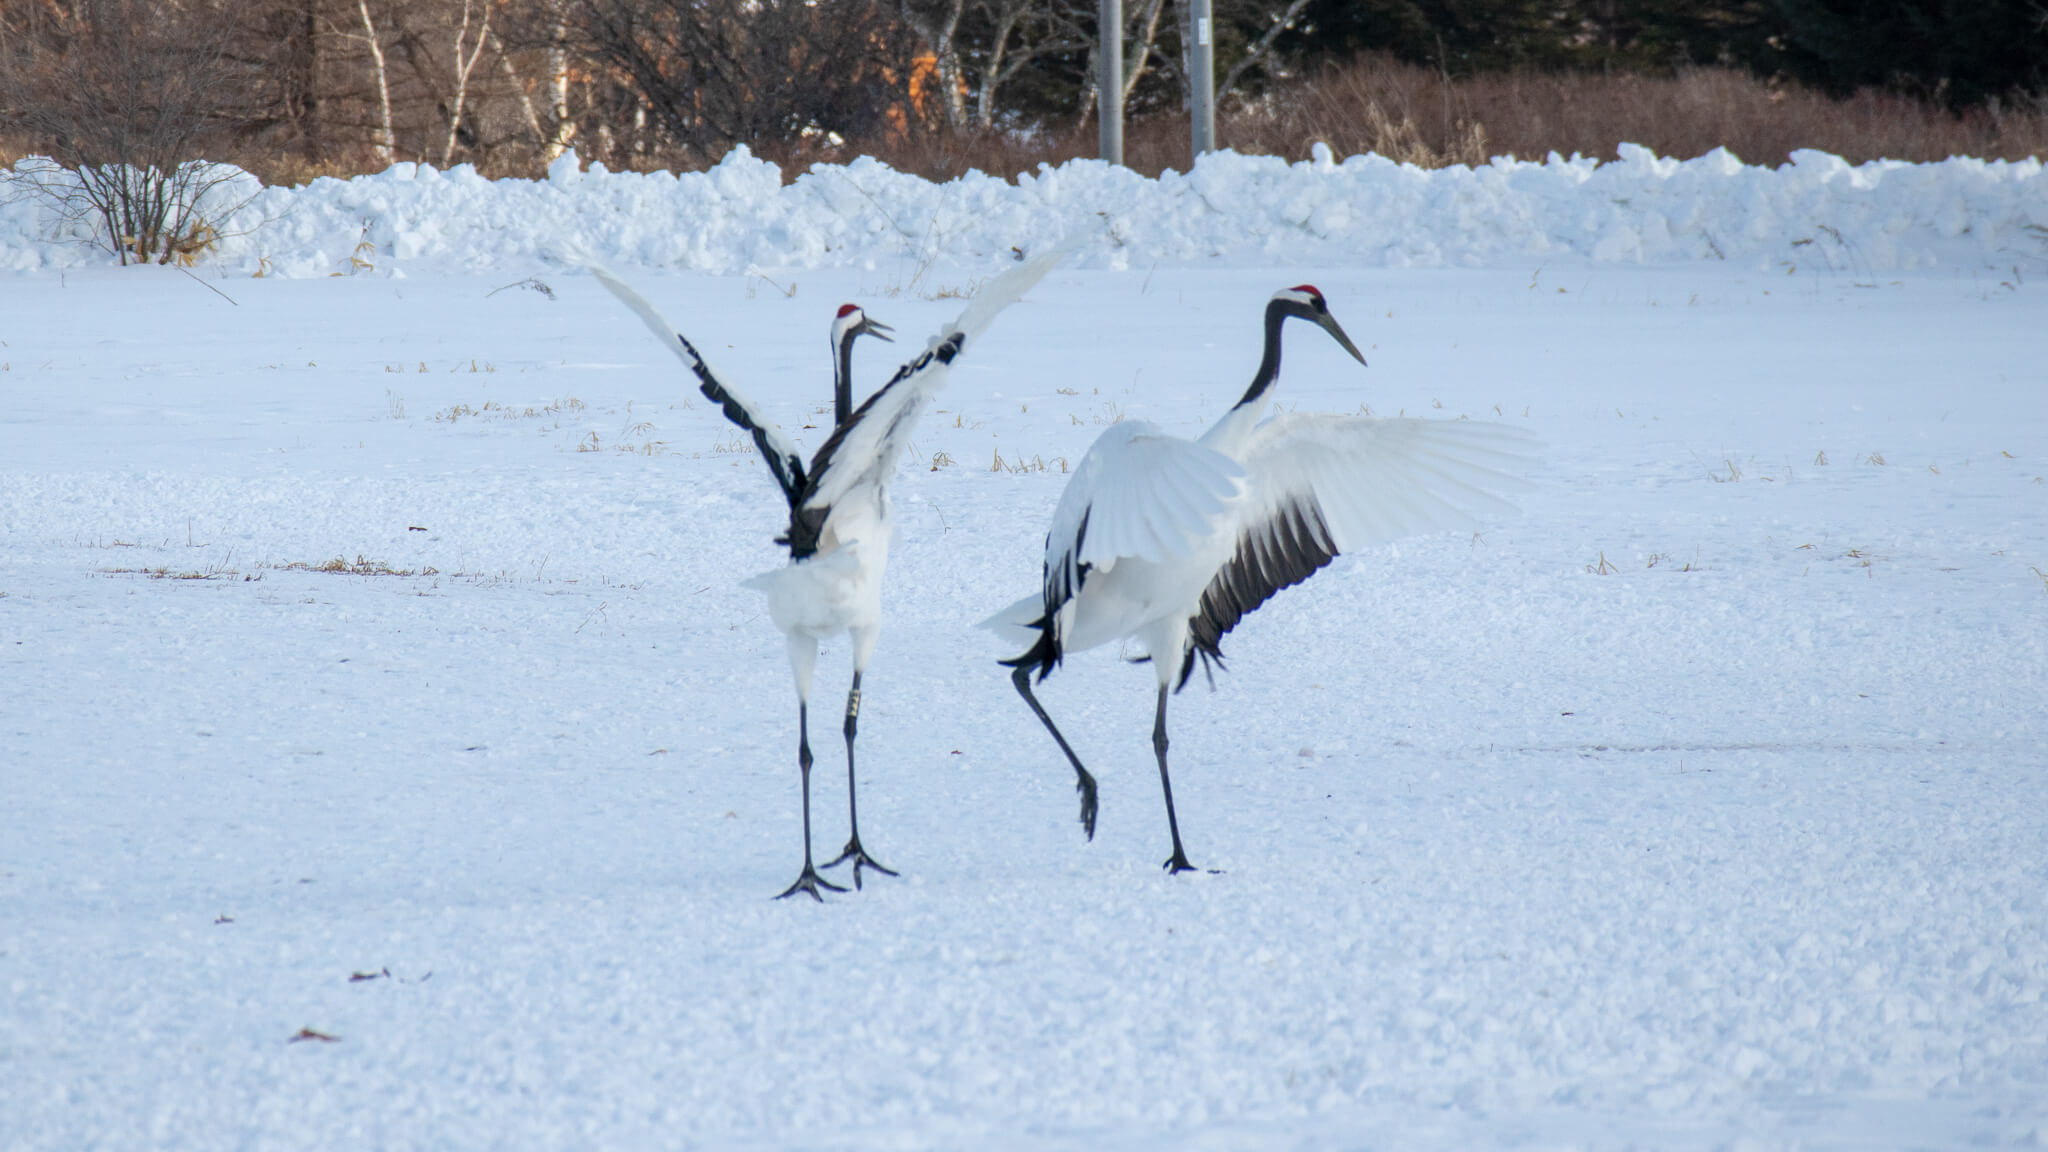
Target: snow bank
point(1231, 209)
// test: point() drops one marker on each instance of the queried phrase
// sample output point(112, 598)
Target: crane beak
point(876, 329)
point(1329, 324)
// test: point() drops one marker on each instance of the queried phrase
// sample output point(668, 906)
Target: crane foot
point(810, 882)
point(859, 855)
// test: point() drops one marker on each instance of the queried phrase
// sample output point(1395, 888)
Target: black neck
point(1269, 365)
point(842, 380)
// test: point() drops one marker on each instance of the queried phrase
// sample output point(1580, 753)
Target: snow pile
point(1367, 210)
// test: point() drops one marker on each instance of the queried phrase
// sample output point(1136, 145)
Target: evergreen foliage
point(1960, 52)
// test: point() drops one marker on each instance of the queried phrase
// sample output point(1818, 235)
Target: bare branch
point(463, 67)
point(1259, 48)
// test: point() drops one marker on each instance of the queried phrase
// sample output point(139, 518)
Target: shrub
point(121, 102)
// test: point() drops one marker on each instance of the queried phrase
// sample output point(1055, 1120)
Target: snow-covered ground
point(1702, 805)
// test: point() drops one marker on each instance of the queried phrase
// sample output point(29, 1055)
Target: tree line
point(303, 87)
point(1958, 53)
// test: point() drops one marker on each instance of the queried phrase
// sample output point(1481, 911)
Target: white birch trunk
point(940, 37)
point(1140, 58)
point(386, 142)
point(526, 108)
point(992, 69)
point(558, 87)
point(462, 70)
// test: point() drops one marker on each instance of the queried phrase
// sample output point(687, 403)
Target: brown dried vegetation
point(295, 90)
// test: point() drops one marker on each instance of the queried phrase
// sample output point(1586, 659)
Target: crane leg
point(1083, 782)
point(1179, 861)
point(853, 851)
point(809, 881)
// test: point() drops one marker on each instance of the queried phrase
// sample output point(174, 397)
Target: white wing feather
point(1010, 287)
point(865, 449)
point(738, 408)
point(1140, 494)
point(1325, 485)
point(1377, 480)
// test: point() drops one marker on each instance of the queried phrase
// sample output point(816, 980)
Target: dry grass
point(220, 571)
point(360, 567)
point(492, 409)
point(1414, 115)
point(1673, 562)
point(1411, 113)
point(166, 573)
point(1019, 464)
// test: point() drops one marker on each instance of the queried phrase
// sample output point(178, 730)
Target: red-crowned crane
point(1171, 542)
point(839, 524)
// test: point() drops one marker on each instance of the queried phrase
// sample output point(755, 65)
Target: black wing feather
point(1045, 652)
point(807, 524)
point(1278, 552)
point(789, 469)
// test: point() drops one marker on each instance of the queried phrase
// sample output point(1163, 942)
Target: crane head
point(1306, 301)
point(852, 322)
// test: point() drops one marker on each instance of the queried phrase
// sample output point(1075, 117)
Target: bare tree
point(1021, 33)
point(1256, 53)
point(937, 24)
point(510, 84)
point(464, 65)
point(281, 48)
point(519, 90)
point(1143, 38)
point(539, 30)
point(1144, 58)
point(557, 58)
point(125, 101)
point(712, 73)
point(384, 140)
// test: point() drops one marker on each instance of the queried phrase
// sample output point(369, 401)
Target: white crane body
point(1170, 542)
point(839, 525)
point(835, 591)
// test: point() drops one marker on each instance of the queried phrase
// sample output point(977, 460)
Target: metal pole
point(1109, 100)
point(1202, 79)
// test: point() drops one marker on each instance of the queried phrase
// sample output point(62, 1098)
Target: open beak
point(1329, 324)
point(877, 329)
